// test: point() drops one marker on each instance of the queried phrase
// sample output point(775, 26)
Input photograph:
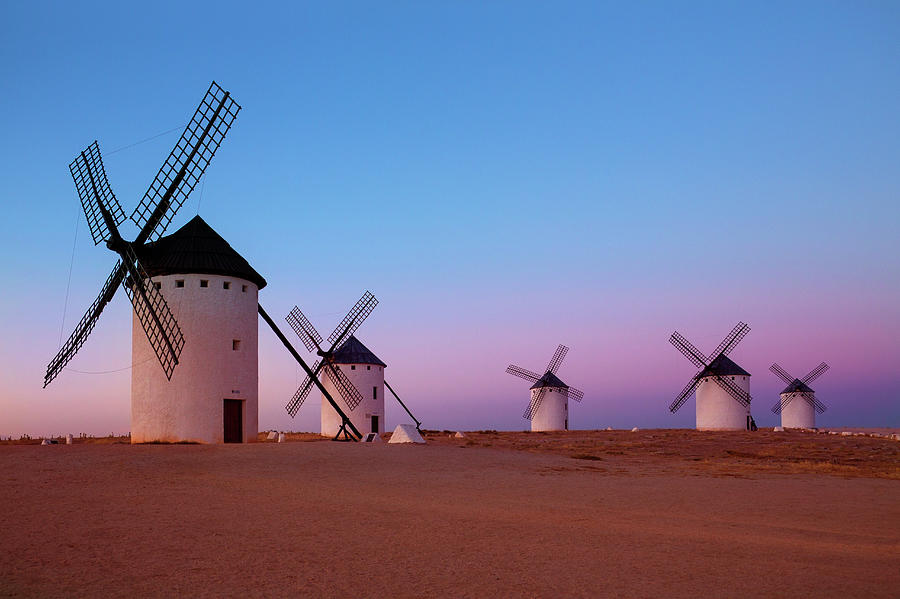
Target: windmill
point(798, 414)
point(213, 395)
point(548, 409)
point(723, 387)
point(174, 182)
point(348, 366)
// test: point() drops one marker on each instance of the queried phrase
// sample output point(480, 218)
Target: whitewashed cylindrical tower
point(717, 410)
point(214, 391)
point(553, 412)
point(366, 372)
point(796, 410)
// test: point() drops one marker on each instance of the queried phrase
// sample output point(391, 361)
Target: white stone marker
point(406, 433)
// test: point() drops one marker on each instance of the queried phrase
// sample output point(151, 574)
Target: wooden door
point(233, 417)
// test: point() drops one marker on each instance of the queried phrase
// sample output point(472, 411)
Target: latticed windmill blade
point(734, 391)
point(815, 373)
point(781, 373)
point(345, 386)
point(303, 391)
point(153, 312)
point(730, 342)
point(304, 329)
point(685, 393)
point(523, 373)
point(573, 393)
point(95, 193)
point(558, 356)
point(184, 166)
point(815, 403)
point(86, 324)
point(686, 347)
point(535, 403)
point(353, 320)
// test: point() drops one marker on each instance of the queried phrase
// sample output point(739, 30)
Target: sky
point(503, 176)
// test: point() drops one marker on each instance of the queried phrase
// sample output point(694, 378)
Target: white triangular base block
point(406, 433)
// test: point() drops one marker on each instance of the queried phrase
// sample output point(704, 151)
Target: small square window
point(368, 368)
point(157, 285)
point(235, 344)
point(226, 285)
point(243, 289)
point(353, 367)
point(179, 283)
point(204, 283)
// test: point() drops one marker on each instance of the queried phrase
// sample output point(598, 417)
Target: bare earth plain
point(651, 513)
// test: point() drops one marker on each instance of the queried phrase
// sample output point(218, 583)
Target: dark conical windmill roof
point(352, 351)
point(549, 380)
point(196, 249)
point(723, 366)
point(798, 386)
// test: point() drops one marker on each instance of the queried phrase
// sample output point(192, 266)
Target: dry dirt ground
point(578, 514)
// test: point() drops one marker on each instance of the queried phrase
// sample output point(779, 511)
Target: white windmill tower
point(182, 413)
point(794, 412)
point(213, 396)
point(352, 373)
point(548, 409)
point(723, 387)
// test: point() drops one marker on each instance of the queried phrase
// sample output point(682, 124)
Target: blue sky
point(503, 176)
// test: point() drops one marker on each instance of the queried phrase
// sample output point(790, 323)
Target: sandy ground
point(647, 514)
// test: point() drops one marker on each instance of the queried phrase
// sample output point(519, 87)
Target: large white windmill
point(548, 409)
point(213, 395)
point(723, 387)
point(798, 404)
point(166, 406)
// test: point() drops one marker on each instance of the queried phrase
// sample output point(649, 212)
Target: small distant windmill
point(174, 182)
point(723, 387)
point(349, 366)
point(798, 414)
point(548, 409)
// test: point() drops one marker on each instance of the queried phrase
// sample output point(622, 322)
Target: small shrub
point(586, 456)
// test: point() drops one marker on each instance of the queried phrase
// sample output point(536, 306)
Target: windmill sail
point(186, 163)
point(86, 324)
point(172, 185)
point(95, 193)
